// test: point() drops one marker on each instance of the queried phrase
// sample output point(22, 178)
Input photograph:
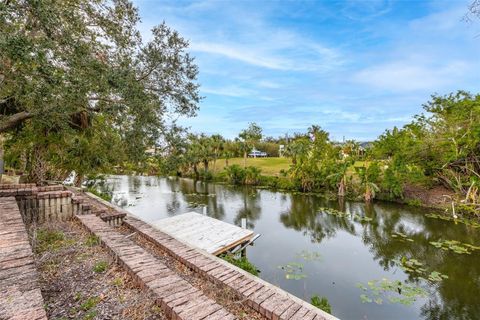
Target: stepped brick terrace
point(27, 205)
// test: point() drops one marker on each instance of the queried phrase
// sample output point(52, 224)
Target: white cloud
point(230, 91)
point(411, 75)
point(245, 54)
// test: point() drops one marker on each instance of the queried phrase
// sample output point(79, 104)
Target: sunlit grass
point(269, 166)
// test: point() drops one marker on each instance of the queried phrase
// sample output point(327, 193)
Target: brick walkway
point(20, 296)
point(178, 298)
point(269, 300)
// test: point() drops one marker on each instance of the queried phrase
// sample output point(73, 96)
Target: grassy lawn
point(269, 166)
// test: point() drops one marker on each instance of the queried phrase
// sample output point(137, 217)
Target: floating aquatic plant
point(362, 219)
point(309, 256)
point(401, 236)
point(455, 246)
point(416, 268)
point(468, 222)
point(293, 271)
point(333, 212)
point(411, 265)
point(436, 276)
point(394, 291)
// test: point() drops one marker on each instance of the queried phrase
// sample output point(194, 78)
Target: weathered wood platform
point(209, 234)
point(20, 296)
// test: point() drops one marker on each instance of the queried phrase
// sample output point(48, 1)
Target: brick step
point(178, 298)
point(269, 300)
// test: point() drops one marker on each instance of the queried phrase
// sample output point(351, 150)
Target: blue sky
point(355, 68)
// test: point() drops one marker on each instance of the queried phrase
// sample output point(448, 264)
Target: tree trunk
point(214, 164)
point(78, 180)
point(341, 188)
point(14, 120)
point(368, 194)
point(205, 165)
point(195, 170)
point(1, 156)
point(38, 169)
point(226, 162)
point(245, 159)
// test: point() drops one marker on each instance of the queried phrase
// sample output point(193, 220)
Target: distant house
point(257, 154)
point(347, 149)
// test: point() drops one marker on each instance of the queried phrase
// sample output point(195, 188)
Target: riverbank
point(436, 197)
point(273, 173)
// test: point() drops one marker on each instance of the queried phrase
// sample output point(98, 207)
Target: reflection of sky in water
point(351, 252)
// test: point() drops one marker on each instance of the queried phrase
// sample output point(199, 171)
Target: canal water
point(379, 261)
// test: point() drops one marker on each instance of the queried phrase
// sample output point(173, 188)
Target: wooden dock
point(209, 234)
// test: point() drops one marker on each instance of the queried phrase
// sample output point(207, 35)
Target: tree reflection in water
point(304, 215)
point(251, 209)
point(452, 298)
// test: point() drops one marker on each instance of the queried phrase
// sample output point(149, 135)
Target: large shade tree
point(67, 66)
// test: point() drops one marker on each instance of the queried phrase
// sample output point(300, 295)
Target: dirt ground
point(79, 280)
point(437, 196)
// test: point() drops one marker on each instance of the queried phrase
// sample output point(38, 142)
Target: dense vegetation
point(439, 149)
point(81, 91)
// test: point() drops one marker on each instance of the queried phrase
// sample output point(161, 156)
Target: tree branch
point(13, 120)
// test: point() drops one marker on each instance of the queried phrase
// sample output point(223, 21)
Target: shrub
point(242, 263)
point(236, 174)
point(252, 175)
point(105, 195)
point(321, 303)
point(205, 175)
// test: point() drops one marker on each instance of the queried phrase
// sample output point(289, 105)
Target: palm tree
point(369, 174)
point(340, 176)
point(249, 137)
point(193, 154)
point(297, 148)
point(217, 143)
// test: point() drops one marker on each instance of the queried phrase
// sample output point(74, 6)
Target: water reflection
point(251, 209)
point(352, 251)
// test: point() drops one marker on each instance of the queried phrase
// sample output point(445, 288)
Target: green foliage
point(69, 88)
point(252, 175)
point(92, 241)
point(107, 196)
point(90, 303)
point(235, 174)
point(440, 145)
point(321, 303)
point(250, 136)
point(242, 263)
point(100, 266)
point(50, 240)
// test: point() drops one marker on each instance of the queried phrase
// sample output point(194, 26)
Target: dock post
point(244, 226)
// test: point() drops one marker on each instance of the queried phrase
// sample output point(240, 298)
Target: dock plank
point(206, 233)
